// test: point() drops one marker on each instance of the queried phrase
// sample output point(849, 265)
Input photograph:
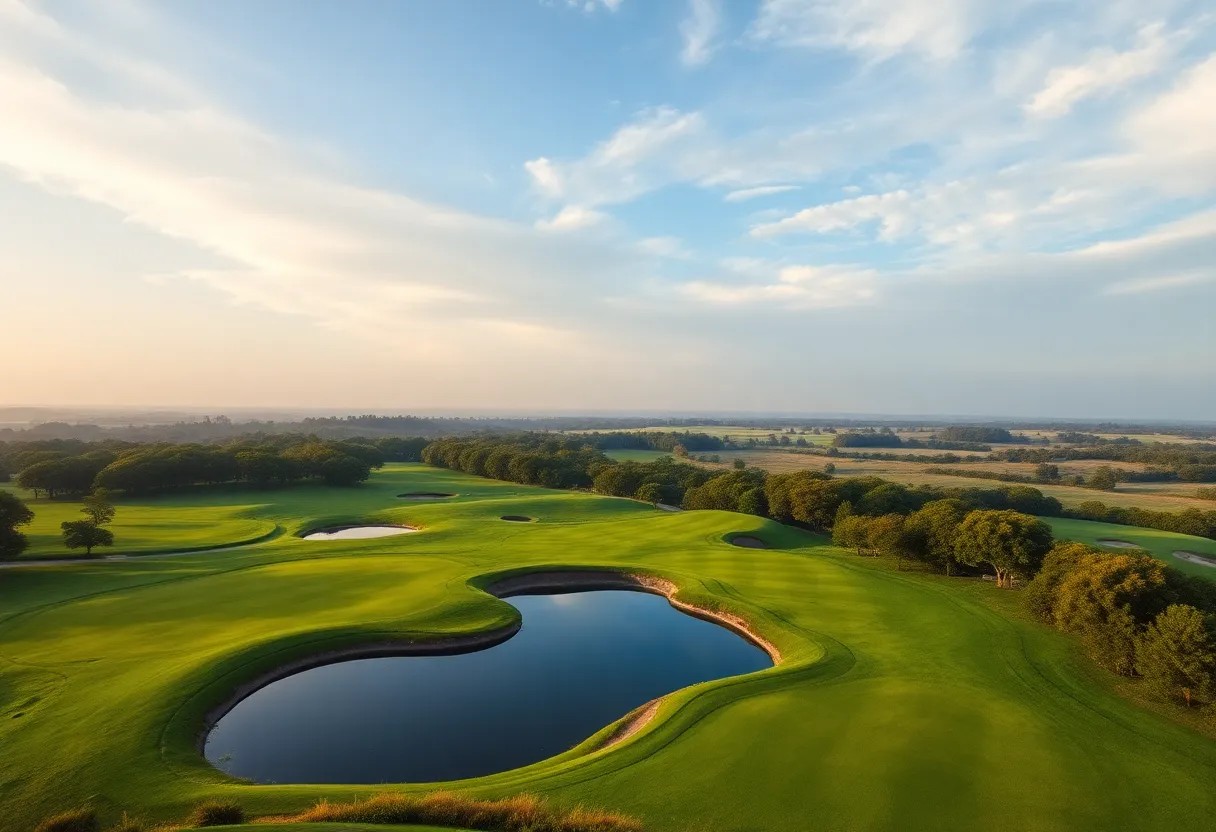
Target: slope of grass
point(903, 702)
point(1159, 544)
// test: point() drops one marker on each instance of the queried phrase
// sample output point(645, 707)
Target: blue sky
point(923, 206)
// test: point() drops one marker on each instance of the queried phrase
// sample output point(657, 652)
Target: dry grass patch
point(523, 813)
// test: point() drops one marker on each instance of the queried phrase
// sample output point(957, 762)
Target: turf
point(904, 701)
point(1159, 544)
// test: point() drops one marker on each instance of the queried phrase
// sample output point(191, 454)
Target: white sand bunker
point(1118, 544)
point(356, 532)
point(665, 507)
point(1195, 557)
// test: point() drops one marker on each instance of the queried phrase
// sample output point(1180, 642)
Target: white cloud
point(699, 29)
point(271, 225)
point(754, 193)
point(795, 287)
point(663, 247)
point(938, 29)
point(572, 218)
point(1103, 72)
point(1157, 284)
point(544, 176)
point(630, 162)
point(891, 210)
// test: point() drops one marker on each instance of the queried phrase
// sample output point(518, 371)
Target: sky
point(886, 206)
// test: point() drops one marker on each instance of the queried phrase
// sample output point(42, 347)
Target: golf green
point(902, 701)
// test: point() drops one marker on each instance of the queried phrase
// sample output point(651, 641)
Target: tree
point(1105, 599)
point(650, 492)
point(752, 501)
point(98, 508)
point(739, 463)
point(13, 513)
point(1176, 655)
point(1104, 479)
point(85, 534)
point(937, 524)
point(1047, 472)
point(891, 535)
point(830, 468)
point(852, 532)
point(680, 451)
point(1012, 543)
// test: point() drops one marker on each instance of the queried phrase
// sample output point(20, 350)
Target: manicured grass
point(1161, 545)
point(904, 701)
point(145, 526)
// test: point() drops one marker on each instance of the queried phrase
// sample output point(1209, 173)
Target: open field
point(1166, 496)
point(904, 701)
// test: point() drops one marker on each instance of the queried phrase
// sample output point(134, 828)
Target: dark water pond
point(581, 661)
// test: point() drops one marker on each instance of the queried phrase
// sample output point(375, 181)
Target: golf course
point(897, 701)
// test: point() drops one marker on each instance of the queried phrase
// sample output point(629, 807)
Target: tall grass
point(77, 820)
point(523, 813)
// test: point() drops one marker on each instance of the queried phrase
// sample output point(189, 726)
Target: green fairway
point(146, 526)
point(1159, 544)
point(903, 701)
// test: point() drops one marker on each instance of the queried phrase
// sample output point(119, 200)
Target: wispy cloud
point(938, 29)
point(699, 29)
point(754, 193)
point(787, 287)
point(1103, 72)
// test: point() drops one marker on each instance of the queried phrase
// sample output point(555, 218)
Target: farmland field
point(1164, 496)
point(902, 701)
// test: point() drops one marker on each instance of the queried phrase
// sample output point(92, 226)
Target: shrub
point(214, 813)
point(77, 820)
point(523, 813)
point(126, 825)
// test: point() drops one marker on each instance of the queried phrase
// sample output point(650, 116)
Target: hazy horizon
point(780, 206)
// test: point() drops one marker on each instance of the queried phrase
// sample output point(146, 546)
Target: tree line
point(69, 469)
point(1135, 616)
point(1186, 462)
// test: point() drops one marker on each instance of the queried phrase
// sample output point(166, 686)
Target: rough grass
point(523, 813)
point(217, 813)
point(76, 820)
point(904, 701)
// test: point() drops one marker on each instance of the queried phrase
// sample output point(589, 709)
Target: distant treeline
point(1190, 462)
point(564, 462)
point(60, 468)
point(654, 441)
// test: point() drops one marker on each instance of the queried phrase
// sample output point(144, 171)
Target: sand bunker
point(665, 507)
point(1195, 557)
point(356, 532)
point(1118, 544)
point(747, 541)
point(516, 518)
point(424, 495)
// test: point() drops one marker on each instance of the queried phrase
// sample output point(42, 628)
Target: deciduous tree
point(85, 534)
point(1012, 543)
point(1176, 655)
point(13, 514)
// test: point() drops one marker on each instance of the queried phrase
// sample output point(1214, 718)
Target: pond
point(356, 532)
point(581, 661)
